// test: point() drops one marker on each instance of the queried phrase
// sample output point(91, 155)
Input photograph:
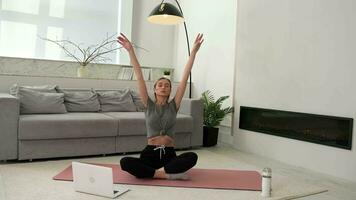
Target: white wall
point(297, 56)
point(214, 64)
point(157, 39)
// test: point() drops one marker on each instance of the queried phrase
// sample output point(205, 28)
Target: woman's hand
point(122, 39)
point(197, 43)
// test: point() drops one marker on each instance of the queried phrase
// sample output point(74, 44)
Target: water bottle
point(266, 182)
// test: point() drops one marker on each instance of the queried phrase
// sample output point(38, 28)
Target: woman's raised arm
point(188, 67)
point(122, 39)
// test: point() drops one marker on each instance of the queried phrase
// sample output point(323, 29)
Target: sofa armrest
point(194, 107)
point(9, 118)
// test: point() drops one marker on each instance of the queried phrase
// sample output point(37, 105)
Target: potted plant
point(213, 115)
point(167, 74)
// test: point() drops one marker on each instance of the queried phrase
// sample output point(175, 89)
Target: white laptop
point(94, 179)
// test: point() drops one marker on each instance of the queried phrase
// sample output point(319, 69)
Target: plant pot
point(167, 76)
point(210, 136)
point(82, 72)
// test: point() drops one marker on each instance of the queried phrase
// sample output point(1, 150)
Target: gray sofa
point(36, 136)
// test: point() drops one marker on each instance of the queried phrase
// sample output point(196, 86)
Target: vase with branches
point(90, 54)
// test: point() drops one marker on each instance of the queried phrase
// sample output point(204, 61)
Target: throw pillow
point(137, 101)
point(80, 101)
point(32, 102)
point(14, 90)
point(117, 100)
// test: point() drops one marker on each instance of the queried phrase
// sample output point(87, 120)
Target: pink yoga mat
point(199, 178)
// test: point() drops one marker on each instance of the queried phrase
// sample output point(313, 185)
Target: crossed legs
point(150, 161)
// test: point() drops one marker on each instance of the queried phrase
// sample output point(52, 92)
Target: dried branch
point(61, 44)
point(93, 53)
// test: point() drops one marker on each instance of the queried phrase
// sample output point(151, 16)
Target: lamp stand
point(187, 38)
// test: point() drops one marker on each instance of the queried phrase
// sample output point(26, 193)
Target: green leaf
point(213, 113)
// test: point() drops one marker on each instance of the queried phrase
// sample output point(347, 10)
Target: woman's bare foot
point(178, 176)
point(160, 174)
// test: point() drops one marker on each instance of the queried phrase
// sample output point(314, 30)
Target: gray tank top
point(160, 120)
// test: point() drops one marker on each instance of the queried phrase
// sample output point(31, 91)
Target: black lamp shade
point(165, 13)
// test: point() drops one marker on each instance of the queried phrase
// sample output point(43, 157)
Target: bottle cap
point(267, 172)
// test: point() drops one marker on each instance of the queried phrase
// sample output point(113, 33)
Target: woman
point(159, 159)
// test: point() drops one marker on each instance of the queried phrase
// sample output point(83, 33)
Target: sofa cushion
point(14, 90)
point(68, 125)
point(134, 123)
point(80, 101)
point(129, 123)
point(117, 100)
point(32, 101)
point(184, 123)
point(137, 101)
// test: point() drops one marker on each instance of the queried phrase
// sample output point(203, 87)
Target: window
point(85, 22)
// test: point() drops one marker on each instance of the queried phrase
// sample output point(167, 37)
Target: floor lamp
point(168, 14)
